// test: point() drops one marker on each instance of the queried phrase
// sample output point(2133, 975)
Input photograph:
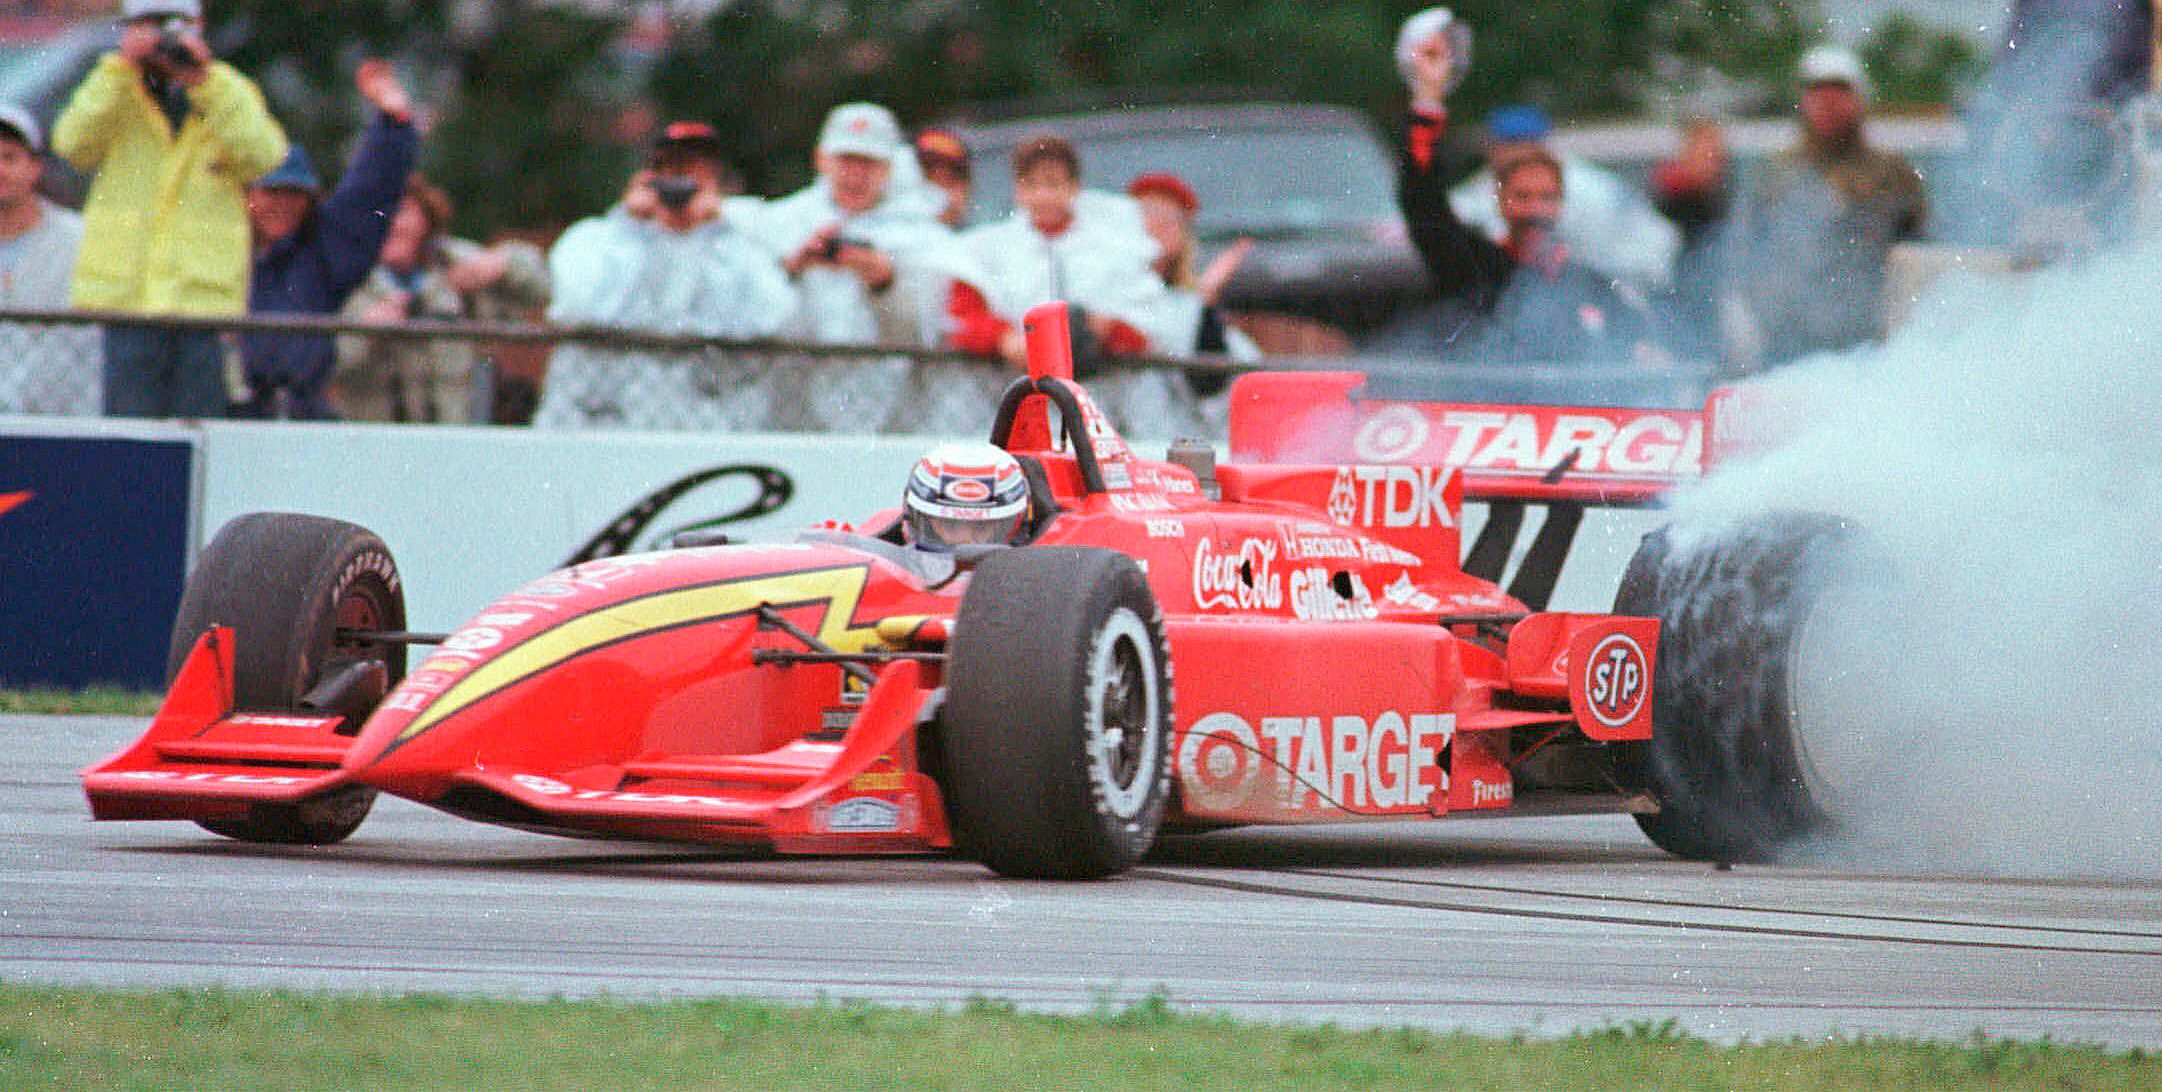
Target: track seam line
point(1610, 919)
point(1687, 904)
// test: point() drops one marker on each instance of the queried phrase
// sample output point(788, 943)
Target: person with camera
point(670, 258)
point(175, 136)
point(313, 250)
point(865, 248)
point(863, 241)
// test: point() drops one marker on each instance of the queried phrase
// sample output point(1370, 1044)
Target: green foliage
point(303, 52)
point(1913, 65)
point(215, 1038)
point(525, 94)
point(532, 140)
point(544, 108)
point(95, 701)
point(766, 70)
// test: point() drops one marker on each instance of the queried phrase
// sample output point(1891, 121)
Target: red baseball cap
point(1165, 185)
point(689, 132)
point(941, 146)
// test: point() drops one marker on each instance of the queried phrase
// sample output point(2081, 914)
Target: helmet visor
point(945, 532)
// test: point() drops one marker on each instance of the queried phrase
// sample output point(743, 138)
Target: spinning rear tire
point(1056, 729)
point(1723, 760)
point(286, 584)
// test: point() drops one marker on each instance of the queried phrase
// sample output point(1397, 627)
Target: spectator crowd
point(199, 205)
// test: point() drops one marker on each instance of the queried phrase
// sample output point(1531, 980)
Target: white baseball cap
point(1834, 64)
point(144, 9)
point(861, 128)
point(16, 118)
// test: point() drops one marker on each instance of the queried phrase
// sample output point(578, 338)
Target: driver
point(964, 494)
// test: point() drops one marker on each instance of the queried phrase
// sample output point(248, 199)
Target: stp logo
point(1617, 676)
point(969, 491)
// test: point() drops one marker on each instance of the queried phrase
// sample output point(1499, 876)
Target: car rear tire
point(1723, 761)
point(1056, 728)
point(285, 584)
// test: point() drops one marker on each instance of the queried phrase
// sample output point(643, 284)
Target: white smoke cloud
point(1985, 695)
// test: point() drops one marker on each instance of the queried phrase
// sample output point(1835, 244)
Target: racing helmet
point(965, 493)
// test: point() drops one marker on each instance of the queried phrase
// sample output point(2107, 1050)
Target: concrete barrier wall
point(472, 512)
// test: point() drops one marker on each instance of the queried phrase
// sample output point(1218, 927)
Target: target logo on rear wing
point(1536, 453)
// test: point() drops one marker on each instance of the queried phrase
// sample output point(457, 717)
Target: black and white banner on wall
point(622, 535)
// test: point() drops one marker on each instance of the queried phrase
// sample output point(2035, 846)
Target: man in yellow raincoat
point(175, 137)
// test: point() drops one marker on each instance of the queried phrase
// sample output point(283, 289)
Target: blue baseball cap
point(1518, 123)
point(296, 173)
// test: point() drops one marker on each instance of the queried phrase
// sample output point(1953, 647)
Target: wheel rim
point(1125, 715)
point(1835, 751)
point(360, 606)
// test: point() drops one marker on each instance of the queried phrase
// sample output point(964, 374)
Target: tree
point(765, 71)
point(543, 107)
point(524, 95)
point(1914, 65)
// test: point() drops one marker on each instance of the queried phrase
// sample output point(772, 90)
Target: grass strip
point(94, 702)
point(216, 1038)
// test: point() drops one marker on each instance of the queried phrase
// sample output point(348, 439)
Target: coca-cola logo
point(1245, 580)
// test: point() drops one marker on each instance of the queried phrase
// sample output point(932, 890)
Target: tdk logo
point(1391, 497)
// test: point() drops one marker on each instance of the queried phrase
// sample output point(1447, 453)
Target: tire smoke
point(1982, 690)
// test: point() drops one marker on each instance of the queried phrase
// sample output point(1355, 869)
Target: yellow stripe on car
point(840, 589)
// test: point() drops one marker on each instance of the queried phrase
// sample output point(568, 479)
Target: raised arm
point(356, 216)
point(1462, 262)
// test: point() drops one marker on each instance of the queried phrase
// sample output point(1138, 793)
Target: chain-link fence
point(553, 377)
point(565, 378)
point(48, 367)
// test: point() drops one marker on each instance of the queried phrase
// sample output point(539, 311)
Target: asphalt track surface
point(1538, 925)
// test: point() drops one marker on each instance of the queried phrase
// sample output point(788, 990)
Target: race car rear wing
point(1508, 456)
point(1589, 455)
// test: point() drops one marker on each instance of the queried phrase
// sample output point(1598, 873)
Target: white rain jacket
point(616, 270)
point(1101, 264)
point(876, 394)
point(837, 307)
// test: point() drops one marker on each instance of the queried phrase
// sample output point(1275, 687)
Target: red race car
point(854, 692)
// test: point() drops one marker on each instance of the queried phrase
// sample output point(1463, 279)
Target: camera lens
point(172, 47)
point(675, 191)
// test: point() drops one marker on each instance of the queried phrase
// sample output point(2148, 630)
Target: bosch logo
point(1617, 676)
